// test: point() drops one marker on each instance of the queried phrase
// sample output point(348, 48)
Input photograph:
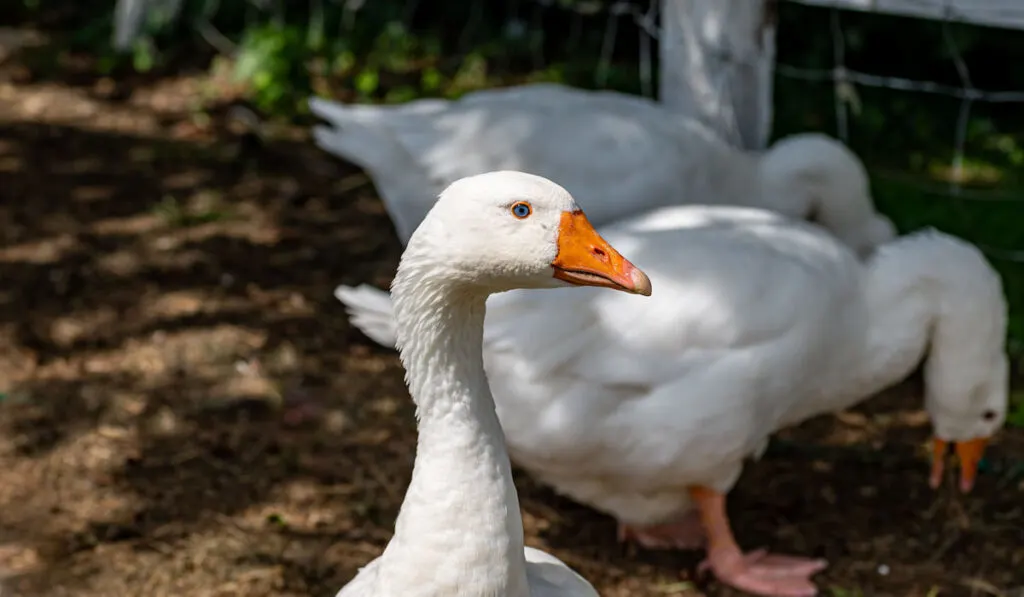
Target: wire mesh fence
point(844, 80)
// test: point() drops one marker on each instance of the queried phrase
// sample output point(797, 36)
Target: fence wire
point(845, 79)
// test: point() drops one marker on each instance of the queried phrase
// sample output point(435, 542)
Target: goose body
point(459, 530)
point(759, 322)
point(623, 153)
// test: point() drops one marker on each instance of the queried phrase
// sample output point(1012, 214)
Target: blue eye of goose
point(521, 210)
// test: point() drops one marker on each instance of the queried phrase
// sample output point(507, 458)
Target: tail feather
point(357, 134)
point(369, 310)
point(357, 137)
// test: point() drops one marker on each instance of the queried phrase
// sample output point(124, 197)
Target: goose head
point(966, 375)
point(504, 230)
point(966, 413)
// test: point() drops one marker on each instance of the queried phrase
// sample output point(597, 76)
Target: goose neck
point(459, 530)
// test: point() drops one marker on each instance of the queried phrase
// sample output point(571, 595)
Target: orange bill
point(586, 259)
point(969, 454)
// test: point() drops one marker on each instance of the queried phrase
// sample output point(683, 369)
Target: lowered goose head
point(936, 296)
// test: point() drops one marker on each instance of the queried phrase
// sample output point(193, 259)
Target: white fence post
point(717, 65)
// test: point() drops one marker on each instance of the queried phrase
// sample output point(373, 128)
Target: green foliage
point(285, 51)
point(394, 50)
point(271, 59)
point(1015, 418)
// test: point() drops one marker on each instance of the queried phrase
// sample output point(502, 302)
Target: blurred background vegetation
point(272, 54)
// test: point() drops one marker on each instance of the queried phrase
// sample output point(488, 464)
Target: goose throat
point(461, 512)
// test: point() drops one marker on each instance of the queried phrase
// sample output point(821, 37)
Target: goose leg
point(685, 533)
point(755, 572)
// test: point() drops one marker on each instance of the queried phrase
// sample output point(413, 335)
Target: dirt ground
point(166, 309)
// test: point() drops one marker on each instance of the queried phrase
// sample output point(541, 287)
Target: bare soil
point(166, 314)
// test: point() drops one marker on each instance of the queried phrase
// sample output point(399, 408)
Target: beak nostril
point(598, 251)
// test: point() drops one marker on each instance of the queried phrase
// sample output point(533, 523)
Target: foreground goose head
point(504, 230)
point(459, 530)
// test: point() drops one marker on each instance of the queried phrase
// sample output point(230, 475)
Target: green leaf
point(430, 80)
point(367, 81)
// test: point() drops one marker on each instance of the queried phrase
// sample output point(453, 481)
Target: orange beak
point(969, 454)
point(586, 259)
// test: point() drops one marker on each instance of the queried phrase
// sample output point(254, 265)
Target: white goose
point(459, 530)
point(759, 322)
point(624, 153)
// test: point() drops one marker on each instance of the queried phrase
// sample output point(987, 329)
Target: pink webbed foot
point(757, 572)
point(762, 573)
point(685, 533)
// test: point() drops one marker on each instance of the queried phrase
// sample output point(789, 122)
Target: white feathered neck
point(459, 530)
point(924, 294)
point(816, 176)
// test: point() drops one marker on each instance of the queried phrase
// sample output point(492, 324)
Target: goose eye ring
point(521, 210)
